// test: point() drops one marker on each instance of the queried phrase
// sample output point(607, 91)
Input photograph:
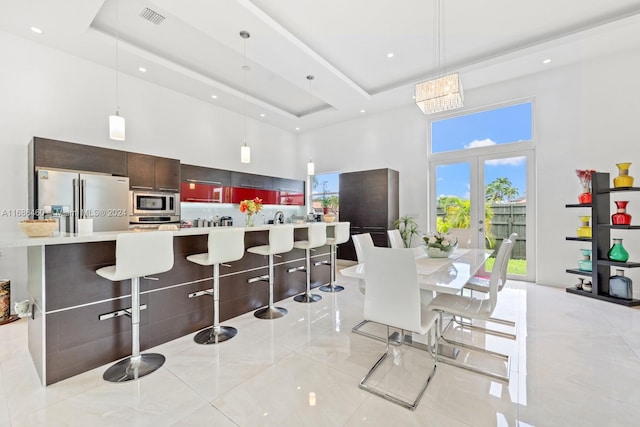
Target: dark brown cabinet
point(153, 173)
point(203, 175)
point(369, 200)
point(51, 153)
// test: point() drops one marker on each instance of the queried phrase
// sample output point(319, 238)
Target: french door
point(483, 196)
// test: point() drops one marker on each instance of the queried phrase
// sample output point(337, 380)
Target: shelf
point(578, 205)
point(615, 190)
point(579, 239)
point(625, 302)
point(619, 264)
point(619, 227)
point(579, 272)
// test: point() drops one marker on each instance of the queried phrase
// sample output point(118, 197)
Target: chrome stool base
point(330, 288)
point(307, 297)
point(210, 336)
point(131, 369)
point(270, 313)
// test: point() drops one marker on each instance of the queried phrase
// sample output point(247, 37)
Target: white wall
point(45, 92)
point(585, 117)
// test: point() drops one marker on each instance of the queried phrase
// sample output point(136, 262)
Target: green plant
point(408, 228)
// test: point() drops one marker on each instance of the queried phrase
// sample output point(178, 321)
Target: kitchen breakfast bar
point(66, 335)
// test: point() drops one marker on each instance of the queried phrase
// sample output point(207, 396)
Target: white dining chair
point(396, 306)
point(395, 239)
point(361, 242)
point(480, 283)
point(474, 308)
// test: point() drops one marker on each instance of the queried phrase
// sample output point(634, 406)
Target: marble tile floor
point(576, 362)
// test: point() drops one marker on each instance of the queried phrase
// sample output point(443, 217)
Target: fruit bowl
point(38, 227)
point(329, 217)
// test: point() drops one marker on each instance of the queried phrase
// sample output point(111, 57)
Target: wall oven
point(150, 209)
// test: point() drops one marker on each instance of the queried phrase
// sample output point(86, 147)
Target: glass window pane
point(498, 126)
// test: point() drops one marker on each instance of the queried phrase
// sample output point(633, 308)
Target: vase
point(585, 263)
point(620, 286)
point(438, 252)
point(248, 221)
point(621, 217)
point(623, 179)
point(584, 230)
point(585, 197)
point(618, 252)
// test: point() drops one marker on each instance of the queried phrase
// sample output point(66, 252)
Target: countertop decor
point(250, 207)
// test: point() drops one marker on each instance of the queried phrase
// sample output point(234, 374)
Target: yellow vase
point(584, 230)
point(623, 179)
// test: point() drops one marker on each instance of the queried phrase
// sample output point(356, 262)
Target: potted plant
point(408, 228)
point(325, 205)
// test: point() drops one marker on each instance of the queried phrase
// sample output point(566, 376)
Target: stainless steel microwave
point(148, 203)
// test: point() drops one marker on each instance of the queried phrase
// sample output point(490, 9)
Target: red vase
point(584, 198)
point(621, 217)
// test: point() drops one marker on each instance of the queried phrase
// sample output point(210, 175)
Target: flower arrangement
point(250, 207)
point(584, 175)
point(439, 245)
point(437, 239)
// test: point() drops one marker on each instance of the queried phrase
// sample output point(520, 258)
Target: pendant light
point(116, 121)
point(311, 167)
point(441, 93)
point(245, 150)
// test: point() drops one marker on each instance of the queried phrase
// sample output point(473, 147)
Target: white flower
point(432, 240)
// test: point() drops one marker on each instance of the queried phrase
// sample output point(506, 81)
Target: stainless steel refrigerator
point(68, 196)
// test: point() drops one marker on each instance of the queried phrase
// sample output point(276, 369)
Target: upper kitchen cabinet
point(202, 175)
point(153, 173)
point(369, 200)
point(249, 180)
point(51, 153)
point(204, 185)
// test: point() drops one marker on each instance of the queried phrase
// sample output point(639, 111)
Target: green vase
point(618, 252)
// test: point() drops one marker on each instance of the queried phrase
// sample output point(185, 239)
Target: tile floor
point(576, 362)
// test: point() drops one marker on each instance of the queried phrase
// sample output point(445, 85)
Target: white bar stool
point(280, 241)
point(316, 237)
point(224, 245)
point(340, 235)
point(138, 255)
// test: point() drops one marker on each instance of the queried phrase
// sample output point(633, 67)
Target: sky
point(498, 126)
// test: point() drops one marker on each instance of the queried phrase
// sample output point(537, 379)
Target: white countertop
point(19, 239)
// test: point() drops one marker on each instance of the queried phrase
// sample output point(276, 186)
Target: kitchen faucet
point(278, 218)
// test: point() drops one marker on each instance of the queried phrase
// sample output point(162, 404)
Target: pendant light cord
point(117, 37)
point(244, 84)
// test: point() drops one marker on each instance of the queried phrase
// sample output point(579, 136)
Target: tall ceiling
point(344, 44)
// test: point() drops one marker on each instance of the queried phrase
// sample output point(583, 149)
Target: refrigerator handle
point(83, 200)
point(75, 212)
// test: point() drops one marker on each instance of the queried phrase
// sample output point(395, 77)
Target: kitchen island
point(66, 335)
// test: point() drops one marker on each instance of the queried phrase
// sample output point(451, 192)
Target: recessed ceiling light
point(413, 97)
point(262, 115)
point(546, 61)
point(142, 70)
point(362, 111)
point(36, 30)
point(390, 55)
point(297, 128)
point(214, 96)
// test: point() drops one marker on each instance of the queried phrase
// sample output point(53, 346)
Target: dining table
point(447, 275)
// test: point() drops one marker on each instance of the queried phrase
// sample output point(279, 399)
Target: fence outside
point(507, 219)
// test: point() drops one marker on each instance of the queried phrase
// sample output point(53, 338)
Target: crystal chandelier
point(441, 93)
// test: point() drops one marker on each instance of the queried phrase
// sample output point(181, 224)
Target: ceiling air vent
point(152, 16)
